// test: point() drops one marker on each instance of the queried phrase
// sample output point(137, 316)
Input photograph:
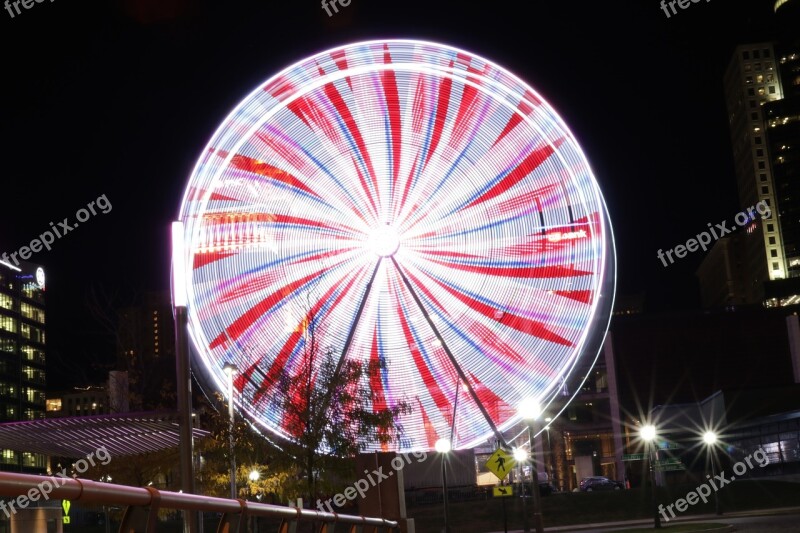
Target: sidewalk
point(598, 527)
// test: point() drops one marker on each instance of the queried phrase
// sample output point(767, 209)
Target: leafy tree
point(332, 412)
point(253, 451)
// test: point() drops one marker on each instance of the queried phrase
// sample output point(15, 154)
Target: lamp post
point(180, 300)
point(520, 456)
point(230, 369)
point(253, 477)
point(530, 410)
point(648, 434)
point(443, 447)
point(710, 438)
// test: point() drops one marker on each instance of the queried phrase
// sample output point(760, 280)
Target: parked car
point(589, 484)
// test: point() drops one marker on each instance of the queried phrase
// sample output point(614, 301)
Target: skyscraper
point(762, 91)
point(752, 81)
point(22, 355)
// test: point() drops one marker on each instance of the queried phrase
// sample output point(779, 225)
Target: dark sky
point(119, 98)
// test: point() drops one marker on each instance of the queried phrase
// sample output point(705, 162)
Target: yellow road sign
point(500, 463)
point(503, 491)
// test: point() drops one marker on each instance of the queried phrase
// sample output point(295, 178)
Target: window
point(766, 52)
point(760, 152)
point(764, 190)
point(746, 54)
point(761, 165)
point(761, 91)
point(32, 312)
point(751, 92)
point(7, 323)
point(756, 54)
point(772, 240)
point(771, 89)
point(5, 301)
point(752, 103)
point(770, 227)
point(757, 66)
point(773, 253)
point(775, 266)
point(758, 140)
point(7, 345)
point(754, 116)
point(763, 177)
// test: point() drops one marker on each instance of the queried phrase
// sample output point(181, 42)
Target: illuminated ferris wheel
point(416, 205)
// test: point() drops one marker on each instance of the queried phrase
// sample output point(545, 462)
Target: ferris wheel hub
point(383, 241)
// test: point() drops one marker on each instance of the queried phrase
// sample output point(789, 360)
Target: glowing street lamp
point(254, 476)
point(530, 410)
point(443, 447)
point(710, 439)
point(648, 434)
point(230, 369)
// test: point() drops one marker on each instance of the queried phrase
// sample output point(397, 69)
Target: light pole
point(648, 434)
point(530, 410)
point(443, 447)
point(253, 477)
point(710, 438)
point(520, 456)
point(180, 300)
point(230, 369)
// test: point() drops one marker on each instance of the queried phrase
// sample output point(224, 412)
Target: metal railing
point(142, 505)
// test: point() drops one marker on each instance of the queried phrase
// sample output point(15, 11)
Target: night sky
point(118, 98)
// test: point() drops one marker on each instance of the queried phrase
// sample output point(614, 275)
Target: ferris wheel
point(418, 206)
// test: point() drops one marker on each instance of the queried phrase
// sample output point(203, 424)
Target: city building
point(146, 350)
point(22, 356)
point(111, 397)
point(751, 81)
point(762, 92)
point(722, 276)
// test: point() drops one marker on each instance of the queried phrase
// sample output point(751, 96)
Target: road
point(746, 524)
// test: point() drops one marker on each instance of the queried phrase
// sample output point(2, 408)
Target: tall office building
point(751, 82)
point(22, 356)
point(146, 350)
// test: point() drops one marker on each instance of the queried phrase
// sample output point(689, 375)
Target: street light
point(648, 434)
point(443, 447)
point(530, 410)
point(710, 438)
point(230, 369)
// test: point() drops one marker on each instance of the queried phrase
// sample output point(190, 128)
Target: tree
point(331, 411)
point(253, 450)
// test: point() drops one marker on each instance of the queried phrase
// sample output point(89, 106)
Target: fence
point(142, 505)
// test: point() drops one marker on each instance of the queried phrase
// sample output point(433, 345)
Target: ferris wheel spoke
point(454, 362)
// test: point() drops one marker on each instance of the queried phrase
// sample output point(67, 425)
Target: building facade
point(22, 356)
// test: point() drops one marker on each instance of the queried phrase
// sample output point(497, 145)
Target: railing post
point(234, 522)
point(139, 519)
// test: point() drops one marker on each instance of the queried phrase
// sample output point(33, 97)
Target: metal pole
point(444, 492)
point(230, 435)
point(651, 457)
point(185, 413)
point(526, 526)
point(717, 508)
point(538, 526)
